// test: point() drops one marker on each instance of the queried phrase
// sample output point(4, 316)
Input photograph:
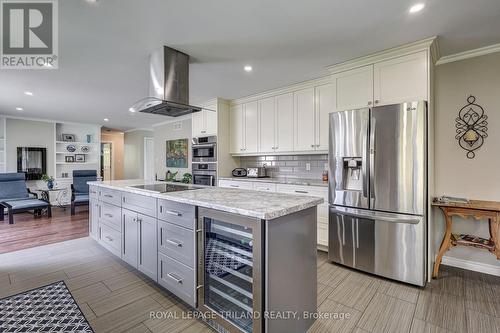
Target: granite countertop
point(283, 180)
point(261, 205)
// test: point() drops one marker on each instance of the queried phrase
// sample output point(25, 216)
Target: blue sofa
point(17, 198)
point(80, 188)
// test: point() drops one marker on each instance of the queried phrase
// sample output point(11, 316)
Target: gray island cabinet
point(245, 260)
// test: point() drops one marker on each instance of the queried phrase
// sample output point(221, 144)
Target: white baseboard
point(471, 265)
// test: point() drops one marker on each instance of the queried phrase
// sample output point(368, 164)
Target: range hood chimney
point(168, 85)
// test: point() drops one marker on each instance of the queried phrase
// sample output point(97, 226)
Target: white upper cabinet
point(267, 124)
point(197, 124)
point(237, 129)
point(284, 123)
point(401, 79)
point(325, 104)
point(304, 120)
point(354, 88)
point(204, 123)
point(251, 119)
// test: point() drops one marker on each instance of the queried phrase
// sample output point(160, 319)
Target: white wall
point(165, 132)
point(28, 133)
point(134, 153)
point(456, 175)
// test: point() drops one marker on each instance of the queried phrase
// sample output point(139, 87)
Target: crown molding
point(424, 44)
point(283, 90)
point(469, 54)
point(51, 121)
point(139, 129)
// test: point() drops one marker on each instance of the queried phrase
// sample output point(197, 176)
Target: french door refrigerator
point(378, 190)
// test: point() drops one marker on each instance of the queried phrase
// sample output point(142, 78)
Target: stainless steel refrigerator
point(378, 190)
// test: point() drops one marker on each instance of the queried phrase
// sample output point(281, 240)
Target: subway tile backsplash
point(289, 166)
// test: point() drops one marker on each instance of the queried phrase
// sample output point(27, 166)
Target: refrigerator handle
point(364, 166)
point(372, 150)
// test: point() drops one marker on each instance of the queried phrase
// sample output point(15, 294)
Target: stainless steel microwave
point(204, 149)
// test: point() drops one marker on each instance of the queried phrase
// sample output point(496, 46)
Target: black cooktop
point(163, 188)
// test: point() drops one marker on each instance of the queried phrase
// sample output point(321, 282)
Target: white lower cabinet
point(139, 242)
point(316, 191)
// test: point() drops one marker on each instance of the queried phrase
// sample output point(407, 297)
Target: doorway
point(106, 160)
point(149, 161)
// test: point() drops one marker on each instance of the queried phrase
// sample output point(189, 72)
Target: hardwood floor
point(28, 231)
point(116, 298)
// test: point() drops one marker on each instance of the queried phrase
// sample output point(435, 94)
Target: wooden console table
point(479, 210)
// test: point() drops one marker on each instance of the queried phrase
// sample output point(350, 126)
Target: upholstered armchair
point(80, 188)
point(17, 198)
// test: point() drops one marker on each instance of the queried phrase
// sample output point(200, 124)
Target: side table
point(479, 210)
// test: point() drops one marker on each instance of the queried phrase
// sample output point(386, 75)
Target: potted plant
point(49, 180)
point(187, 178)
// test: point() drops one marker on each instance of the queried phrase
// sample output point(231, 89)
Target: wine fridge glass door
point(231, 273)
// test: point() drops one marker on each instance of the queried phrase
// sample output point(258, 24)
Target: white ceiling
point(104, 47)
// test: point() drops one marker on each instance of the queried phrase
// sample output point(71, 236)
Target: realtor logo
point(28, 34)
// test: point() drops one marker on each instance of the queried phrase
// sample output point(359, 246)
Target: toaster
point(258, 172)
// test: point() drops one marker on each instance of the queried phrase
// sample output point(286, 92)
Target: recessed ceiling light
point(248, 68)
point(416, 8)
point(29, 93)
point(106, 119)
point(19, 109)
point(131, 110)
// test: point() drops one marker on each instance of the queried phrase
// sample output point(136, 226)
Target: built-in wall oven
point(205, 173)
point(205, 149)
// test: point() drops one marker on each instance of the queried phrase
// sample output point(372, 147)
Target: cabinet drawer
point(236, 184)
point(111, 216)
point(176, 213)
point(177, 278)
point(315, 191)
point(111, 240)
point(139, 203)
point(93, 192)
point(110, 196)
point(269, 187)
point(177, 242)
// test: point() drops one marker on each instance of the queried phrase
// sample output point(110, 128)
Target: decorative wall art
point(471, 127)
point(177, 153)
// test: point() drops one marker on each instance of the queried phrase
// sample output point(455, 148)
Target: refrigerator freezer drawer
point(379, 243)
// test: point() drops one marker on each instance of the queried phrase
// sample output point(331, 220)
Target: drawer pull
point(234, 185)
point(297, 191)
point(173, 277)
point(171, 241)
point(109, 238)
point(108, 215)
point(171, 212)
point(108, 195)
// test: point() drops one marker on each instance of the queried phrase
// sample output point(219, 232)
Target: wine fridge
point(230, 269)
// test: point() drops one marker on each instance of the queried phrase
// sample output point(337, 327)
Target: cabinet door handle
point(171, 212)
point(304, 192)
point(175, 278)
point(377, 101)
point(173, 242)
point(369, 103)
point(312, 146)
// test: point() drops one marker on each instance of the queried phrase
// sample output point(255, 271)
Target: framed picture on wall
point(69, 159)
point(80, 158)
point(177, 153)
point(68, 137)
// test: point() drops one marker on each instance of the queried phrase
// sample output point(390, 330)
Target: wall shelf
point(77, 143)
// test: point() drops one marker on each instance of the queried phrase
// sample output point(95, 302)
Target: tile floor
point(115, 298)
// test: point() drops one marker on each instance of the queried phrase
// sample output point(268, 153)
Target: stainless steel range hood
point(168, 85)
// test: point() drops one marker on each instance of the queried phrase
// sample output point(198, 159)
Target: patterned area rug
point(45, 309)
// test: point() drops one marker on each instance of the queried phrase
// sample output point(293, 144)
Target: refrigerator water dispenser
point(352, 173)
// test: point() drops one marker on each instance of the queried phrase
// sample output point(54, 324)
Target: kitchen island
point(230, 254)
